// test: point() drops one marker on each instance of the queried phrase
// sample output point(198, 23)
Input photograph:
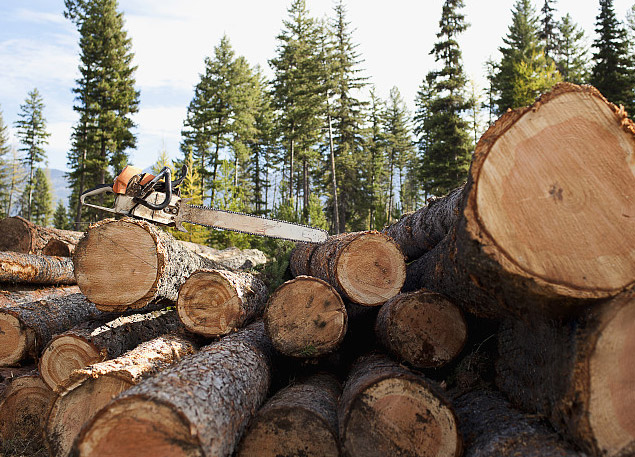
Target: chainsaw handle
point(176, 183)
point(100, 189)
point(168, 190)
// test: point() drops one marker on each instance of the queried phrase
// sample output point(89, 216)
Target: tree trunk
point(305, 317)
point(492, 428)
point(9, 374)
point(20, 235)
point(35, 269)
point(366, 267)
point(25, 293)
point(545, 213)
point(217, 302)
point(417, 233)
point(577, 373)
point(137, 260)
point(88, 390)
point(386, 409)
point(300, 260)
point(200, 407)
point(300, 420)
point(231, 258)
point(423, 328)
point(98, 340)
point(28, 327)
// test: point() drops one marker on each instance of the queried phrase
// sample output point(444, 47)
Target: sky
point(170, 40)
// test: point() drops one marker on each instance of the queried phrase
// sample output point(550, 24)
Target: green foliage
point(375, 167)
point(276, 271)
point(548, 32)
point(571, 55)
point(61, 217)
point(163, 160)
point(5, 167)
point(42, 202)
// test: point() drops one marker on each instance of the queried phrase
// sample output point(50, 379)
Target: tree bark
point(577, 373)
point(98, 340)
point(305, 317)
point(300, 260)
point(492, 428)
point(423, 328)
point(21, 235)
point(418, 232)
point(26, 328)
point(25, 293)
point(91, 388)
point(545, 213)
point(200, 407)
point(366, 267)
point(301, 419)
point(386, 409)
point(217, 302)
point(35, 269)
point(231, 258)
point(136, 259)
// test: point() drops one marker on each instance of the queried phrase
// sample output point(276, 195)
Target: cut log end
point(65, 354)
point(15, 340)
point(16, 235)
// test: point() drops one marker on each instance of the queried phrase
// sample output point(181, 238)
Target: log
point(21, 235)
point(305, 317)
point(9, 374)
point(578, 373)
point(23, 408)
point(13, 294)
point(35, 269)
point(91, 388)
point(199, 407)
point(492, 428)
point(301, 419)
point(300, 259)
point(386, 409)
point(217, 302)
point(418, 232)
point(547, 213)
point(423, 328)
point(26, 328)
point(135, 258)
point(231, 258)
point(366, 267)
point(98, 340)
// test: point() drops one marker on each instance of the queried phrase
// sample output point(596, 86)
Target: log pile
point(510, 331)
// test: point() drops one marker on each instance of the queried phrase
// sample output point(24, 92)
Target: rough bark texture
point(492, 428)
point(90, 389)
point(418, 232)
point(366, 267)
point(423, 328)
point(35, 269)
point(545, 213)
point(13, 294)
point(135, 258)
point(216, 302)
point(299, 420)
point(9, 374)
point(26, 328)
point(200, 407)
point(300, 260)
point(385, 409)
point(578, 373)
point(98, 340)
point(232, 257)
point(305, 317)
point(20, 235)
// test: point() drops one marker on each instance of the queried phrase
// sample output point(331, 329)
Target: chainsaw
point(157, 199)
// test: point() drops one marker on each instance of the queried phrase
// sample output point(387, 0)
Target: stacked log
point(13, 294)
point(35, 269)
point(21, 235)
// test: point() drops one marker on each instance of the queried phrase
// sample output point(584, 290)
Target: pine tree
point(163, 160)
point(5, 167)
point(376, 165)
point(42, 200)
point(61, 217)
point(17, 174)
point(548, 33)
point(613, 72)
point(31, 131)
point(571, 54)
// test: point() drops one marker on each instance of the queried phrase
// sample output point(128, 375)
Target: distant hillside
point(59, 186)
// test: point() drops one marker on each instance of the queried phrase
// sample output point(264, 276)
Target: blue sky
point(38, 48)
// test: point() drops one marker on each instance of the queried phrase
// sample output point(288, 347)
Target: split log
point(138, 260)
point(26, 328)
point(547, 213)
point(90, 389)
point(423, 328)
point(13, 294)
point(199, 407)
point(298, 420)
point(579, 374)
point(386, 409)
point(300, 259)
point(305, 317)
point(35, 269)
point(98, 340)
point(21, 235)
point(492, 428)
point(418, 232)
point(217, 302)
point(366, 267)
point(23, 409)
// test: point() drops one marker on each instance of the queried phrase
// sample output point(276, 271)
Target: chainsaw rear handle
point(100, 189)
point(166, 174)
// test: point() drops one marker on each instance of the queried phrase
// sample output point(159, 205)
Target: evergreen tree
point(60, 217)
point(613, 72)
point(446, 159)
point(31, 131)
point(548, 33)
point(571, 55)
point(5, 167)
point(105, 98)
point(17, 174)
point(375, 168)
point(41, 203)
point(163, 160)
